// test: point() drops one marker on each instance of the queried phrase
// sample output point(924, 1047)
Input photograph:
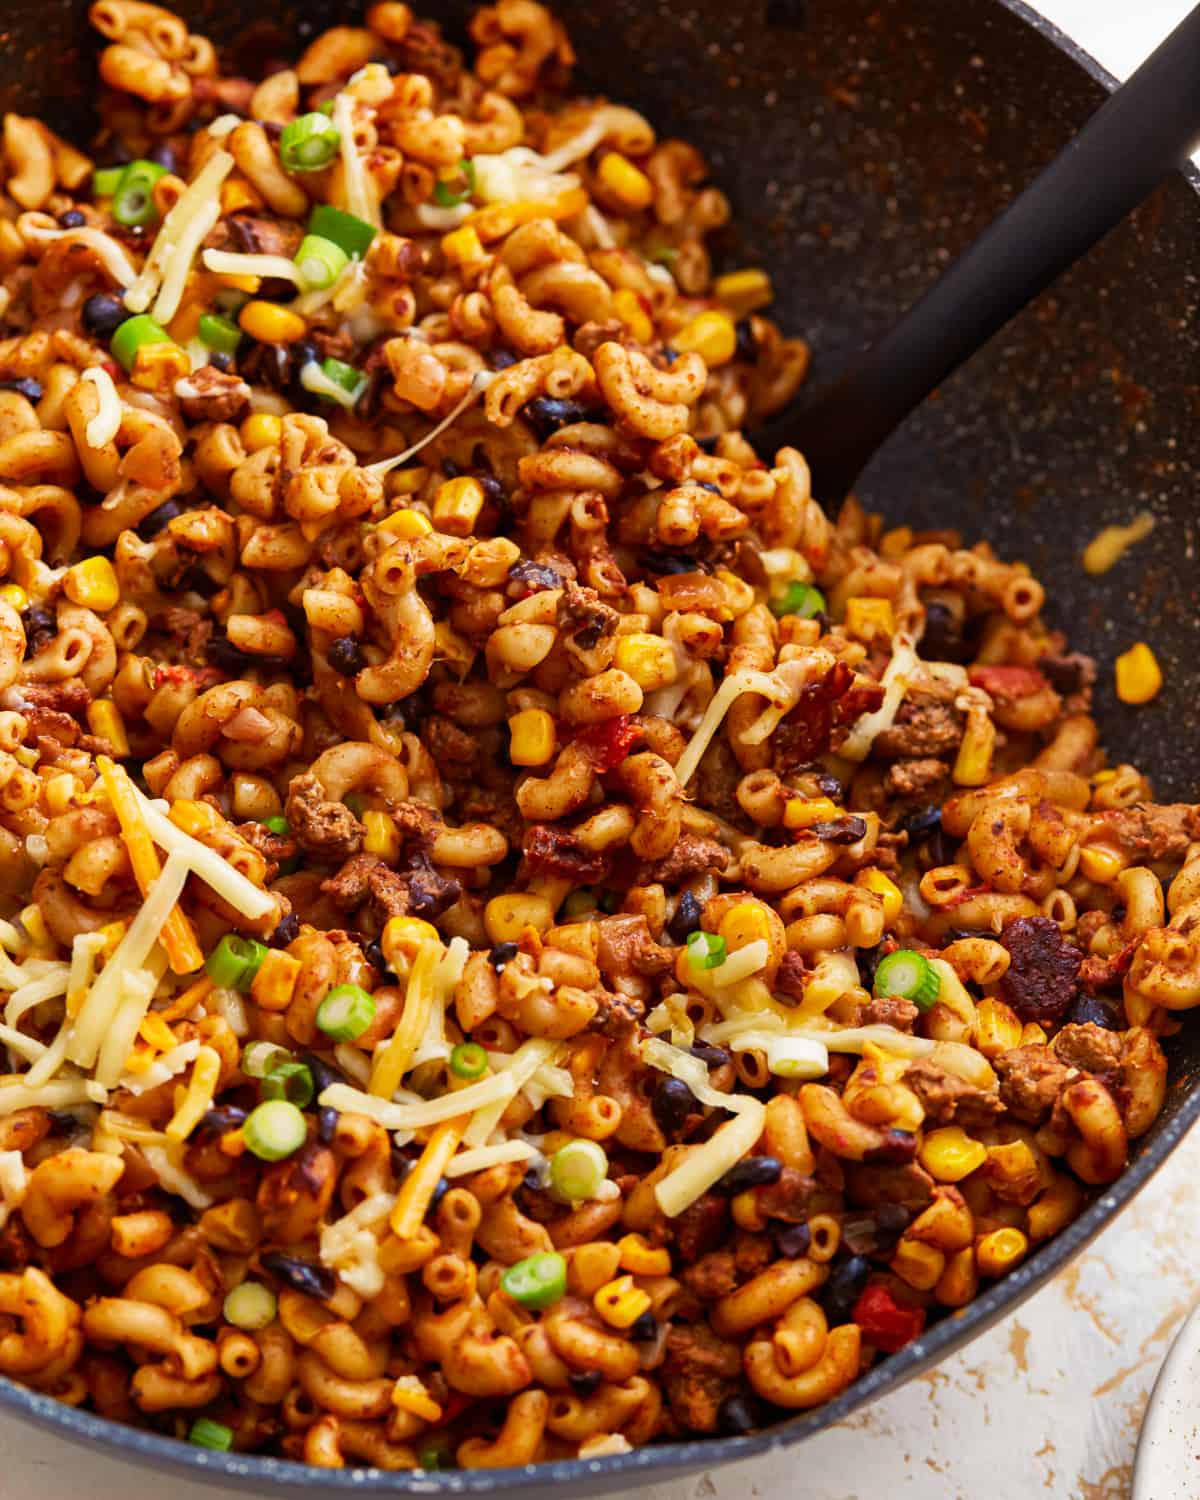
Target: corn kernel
point(505, 918)
point(743, 292)
point(620, 1303)
point(158, 366)
point(711, 335)
point(973, 764)
point(155, 1032)
point(1033, 1035)
point(949, 1154)
point(463, 247)
point(93, 584)
point(628, 307)
point(1000, 1251)
point(998, 1029)
point(744, 923)
point(402, 938)
point(406, 525)
point(105, 721)
point(382, 837)
point(739, 595)
point(628, 184)
point(271, 324)
point(642, 1258)
point(261, 430)
point(531, 737)
point(648, 659)
point(232, 1143)
point(1139, 677)
point(918, 1264)
point(409, 1394)
point(868, 619)
point(112, 933)
point(59, 792)
point(803, 812)
point(407, 481)
point(235, 195)
point(1100, 865)
point(15, 597)
point(591, 1265)
point(275, 982)
point(457, 506)
point(887, 890)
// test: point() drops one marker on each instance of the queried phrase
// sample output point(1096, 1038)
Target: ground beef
point(70, 696)
point(452, 748)
point(823, 716)
point(1150, 834)
point(692, 855)
point(713, 1275)
point(1072, 676)
point(949, 1100)
point(351, 886)
point(1031, 1079)
point(701, 1227)
point(49, 724)
point(1043, 977)
point(326, 829)
point(625, 947)
point(551, 850)
point(795, 1197)
point(583, 619)
point(1089, 1047)
point(790, 978)
point(869, 1185)
point(255, 235)
point(699, 1372)
point(1099, 973)
point(925, 726)
point(915, 778)
point(275, 848)
point(615, 1014)
point(210, 395)
point(891, 1011)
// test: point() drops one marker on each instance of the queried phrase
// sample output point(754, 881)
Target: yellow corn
point(112, 933)
point(973, 764)
point(620, 1303)
point(407, 481)
point(887, 890)
point(275, 982)
point(406, 525)
point(591, 1265)
point(105, 721)
point(262, 430)
point(409, 1394)
point(918, 1264)
point(531, 737)
point(156, 1033)
point(648, 659)
point(744, 923)
point(453, 649)
point(157, 366)
point(1033, 1035)
point(402, 938)
point(642, 1258)
point(867, 619)
point(271, 324)
point(1139, 677)
point(93, 584)
point(457, 505)
point(628, 184)
point(15, 596)
point(505, 918)
point(1000, 1251)
point(628, 307)
point(997, 1028)
point(237, 194)
point(743, 292)
point(895, 543)
point(949, 1154)
point(739, 595)
point(803, 812)
point(1100, 865)
point(711, 335)
point(463, 247)
point(382, 836)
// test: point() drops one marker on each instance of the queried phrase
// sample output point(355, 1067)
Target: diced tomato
point(202, 677)
point(610, 742)
point(454, 1406)
point(884, 1322)
point(1008, 682)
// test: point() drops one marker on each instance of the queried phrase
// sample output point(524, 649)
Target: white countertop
point(1047, 1402)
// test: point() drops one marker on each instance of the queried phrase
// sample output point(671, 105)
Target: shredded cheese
point(137, 992)
point(108, 252)
point(904, 662)
point(479, 384)
point(361, 200)
point(24, 1046)
point(177, 240)
point(395, 1058)
point(719, 705)
point(206, 1073)
point(14, 1179)
point(230, 263)
point(51, 1059)
point(350, 1245)
point(34, 991)
point(161, 1070)
point(483, 1157)
point(60, 1093)
point(417, 1189)
point(163, 1162)
point(224, 125)
point(104, 426)
point(740, 965)
point(1109, 546)
point(205, 863)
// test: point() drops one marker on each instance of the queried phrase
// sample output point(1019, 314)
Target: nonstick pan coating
point(863, 143)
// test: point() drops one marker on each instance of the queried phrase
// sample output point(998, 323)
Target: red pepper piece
point(884, 1322)
point(610, 742)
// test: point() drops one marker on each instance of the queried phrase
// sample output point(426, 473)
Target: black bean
point(149, 526)
point(670, 1104)
point(644, 1330)
point(345, 656)
point(1097, 1011)
point(41, 626)
point(752, 1172)
point(326, 1124)
point(665, 563)
point(221, 361)
point(747, 343)
point(669, 355)
point(324, 1075)
point(535, 575)
point(941, 848)
point(164, 156)
point(532, 1180)
point(791, 1241)
point(61, 1122)
point(375, 956)
point(286, 931)
point(501, 954)
point(439, 1192)
point(707, 484)
point(841, 1291)
point(710, 1054)
point(546, 414)
point(72, 219)
point(502, 359)
point(686, 919)
point(868, 962)
point(585, 1381)
point(920, 822)
point(224, 1117)
point(943, 636)
point(707, 444)
point(103, 314)
point(831, 785)
point(492, 488)
point(843, 831)
point(301, 1275)
point(30, 389)
point(735, 1416)
point(898, 1147)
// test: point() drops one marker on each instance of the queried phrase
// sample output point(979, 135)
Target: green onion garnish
point(908, 976)
point(800, 599)
point(577, 1170)
point(208, 1434)
point(218, 333)
point(274, 1130)
point(288, 1080)
point(343, 375)
point(346, 1012)
point(258, 1058)
point(235, 961)
point(705, 950)
point(320, 262)
point(468, 1060)
point(251, 1306)
point(350, 234)
point(537, 1281)
point(133, 199)
point(309, 143)
point(277, 823)
point(134, 334)
point(106, 180)
point(447, 197)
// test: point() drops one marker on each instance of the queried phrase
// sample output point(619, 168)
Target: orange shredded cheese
point(416, 1193)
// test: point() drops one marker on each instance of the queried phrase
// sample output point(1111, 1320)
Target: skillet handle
point(1141, 134)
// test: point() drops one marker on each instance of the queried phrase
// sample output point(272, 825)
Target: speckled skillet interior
point(863, 143)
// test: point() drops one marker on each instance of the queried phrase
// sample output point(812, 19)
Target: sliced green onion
point(258, 1058)
point(106, 180)
point(356, 802)
point(800, 599)
point(251, 1306)
point(705, 950)
point(577, 1170)
point(208, 1434)
point(133, 200)
point(309, 143)
point(320, 262)
point(608, 901)
point(350, 379)
point(537, 1281)
point(274, 1130)
point(908, 976)
point(350, 234)
point(436, 1455)
point(447, 197)
point(291, 1081)
point(580, 902)
point(277, 823)
point(218, 333)
point(135, 334)
point(346, 1012)
point(468, 1060)
point(325, 108)
point(235, 961)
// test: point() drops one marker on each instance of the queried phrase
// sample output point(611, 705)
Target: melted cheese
point(360, 195)
point(163, 1161)
point(14, 1179)
point(230, 884)
point(161, 1070)
point(178, 240)
point(350, 1245)
point(104, 426)
point(904, 663)
point(230, 263)
point(479, 384)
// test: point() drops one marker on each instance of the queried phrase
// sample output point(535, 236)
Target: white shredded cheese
point(230, 884)
point(163, 1068)
point(719, 705)
point(482, 379)
point(483, 1157)
point(231, 263)
point(62, 1093)
point(105, 425)
point(224, 125)
point(904, 662)
point(740, 965)
point(360, 196)
point(200, 204)
point(172, 1177)
point(350, 1245)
